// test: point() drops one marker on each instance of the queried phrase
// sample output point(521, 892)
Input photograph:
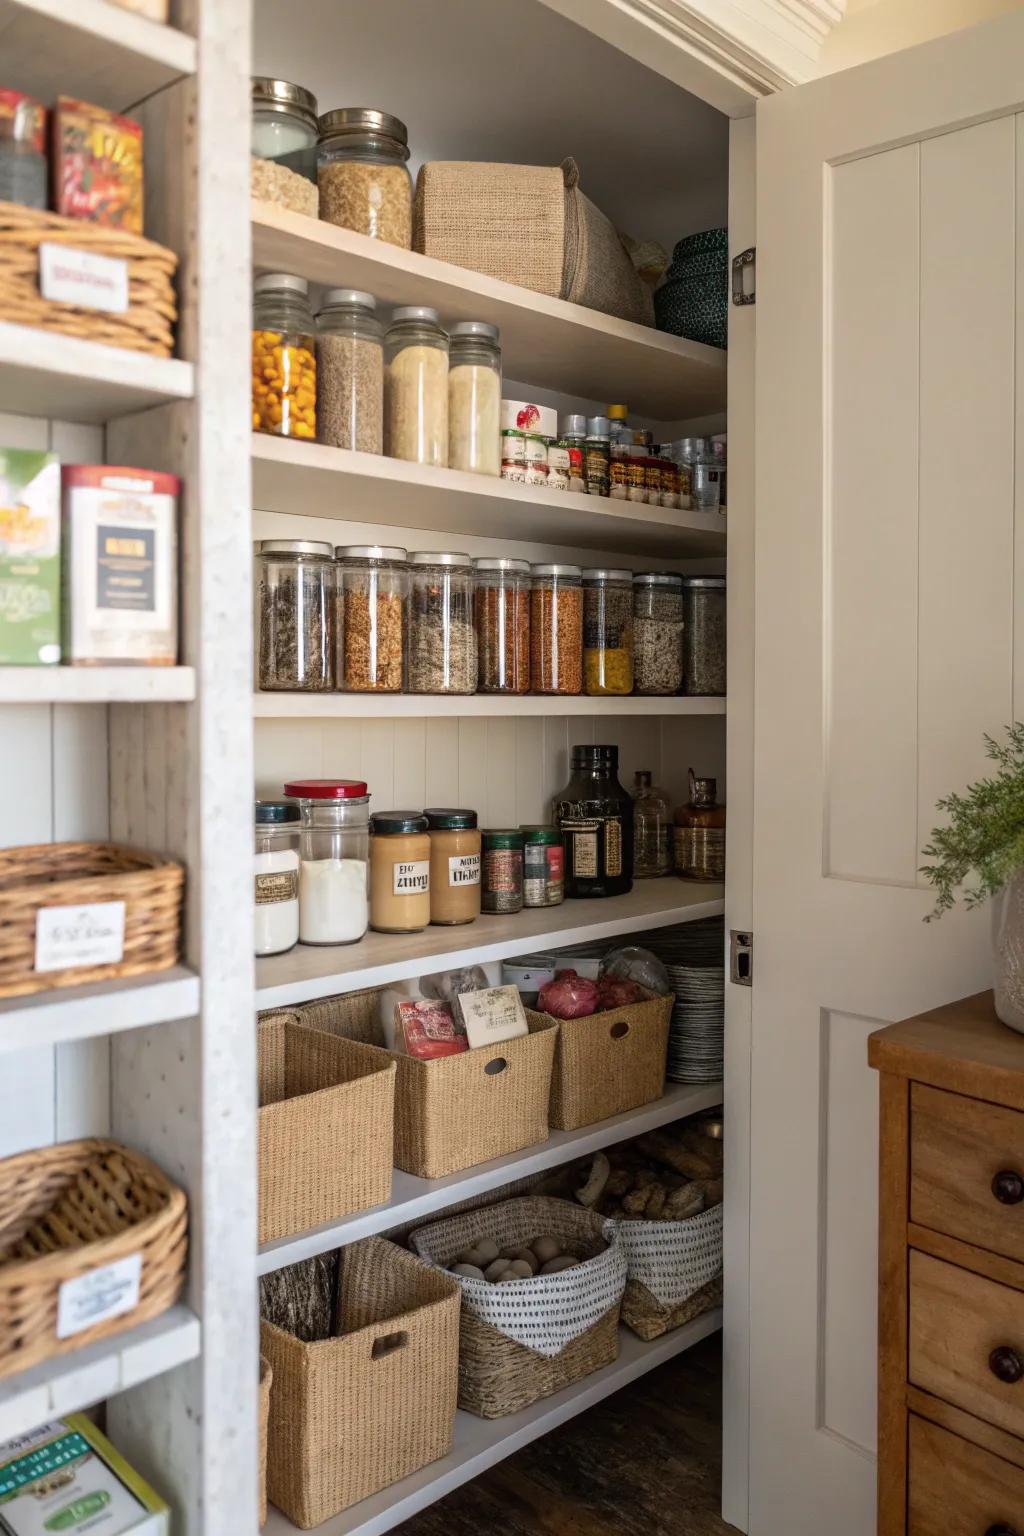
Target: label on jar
point(281, 886)
point(576, 477)
point(613, 846)
point(584, 836)
point(411, 878)
point(595, 463)
point(558, 457)
point(513, 447)
point(618, 475)
point(536, 450)
point(513, 471)
point(557, 480)
point(536, 474)
point(543, 874)
point(463, 869)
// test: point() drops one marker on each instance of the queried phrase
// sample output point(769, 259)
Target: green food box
point(65, 1479)
point(29, 557)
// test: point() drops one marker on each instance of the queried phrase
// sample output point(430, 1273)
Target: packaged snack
point(428, 1030)
point(29, 557)
point(66, 1476)
point(97, 165)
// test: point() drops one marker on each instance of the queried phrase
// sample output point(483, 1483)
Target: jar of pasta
point(608, 631)
point(556, 629)
point(283, 357)
point(474, 398)
point(363, 176)
point(416, 386)
point(373, 587)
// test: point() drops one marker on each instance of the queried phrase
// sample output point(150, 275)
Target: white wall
point(872, 28)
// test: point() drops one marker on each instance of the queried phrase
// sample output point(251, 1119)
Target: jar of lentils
point(283, 357)
point(350, 371)
point(556, 629)
point(374, 584)
point(657, 633)
point(704, 635)
point(501, 603)
point(364, 179)
point(442, 638)
point(608, 632)
point(296, 615)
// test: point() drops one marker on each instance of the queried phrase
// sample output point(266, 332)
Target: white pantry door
point(890, 371)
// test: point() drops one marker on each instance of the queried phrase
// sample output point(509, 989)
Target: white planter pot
point(1008, 952)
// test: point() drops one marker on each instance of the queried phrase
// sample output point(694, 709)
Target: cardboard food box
point(66, 1476)
point(97, 165)
point(29, 557)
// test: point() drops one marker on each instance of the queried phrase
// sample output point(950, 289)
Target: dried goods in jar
point(704, 642)
point(657, 633)
point(364, 181)
point(556, 629)
point(608, 631)
point(374, 582)
point(283, 384)
point(474, 398)
point(501, 606)
point(416, 387)
point(296, 608)
point(275, 183)
point(350, 361)
point(442, 638)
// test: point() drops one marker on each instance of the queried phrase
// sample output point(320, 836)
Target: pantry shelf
point(97, 685)
point(46, 374)
point(544, 342)
point(101, 1008)
point(482, 1443)
point(404, 706)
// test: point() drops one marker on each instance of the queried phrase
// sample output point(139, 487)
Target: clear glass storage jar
point(373, 583)
point(556, 629)
point(416, 386)
point(652, 829)
point(276, 873)
point(284, 138)
point(704, 635)
point(333, 856)
point(24, 174)
point(455, 846)
point(442, 638)
point(365, 183)
point(657, 633)
point(501, 603)
point(283, 357)
point(296, 614)
point(608, 632)
point(350, 371)
point(474, 398)
point(399, 872)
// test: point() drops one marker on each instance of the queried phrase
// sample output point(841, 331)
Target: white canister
point(527, 416)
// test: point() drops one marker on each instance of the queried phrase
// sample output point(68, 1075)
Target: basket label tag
point(68, 276)
point(89, 935)
point(110, 1291)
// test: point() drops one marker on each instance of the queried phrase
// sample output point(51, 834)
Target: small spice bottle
point(350, 371)
point(574, 436)
point(502, 889)
point(704, 630)
point(399, 872)
point(501, 603)
point(474, 398)
point(416, 386)
point(698, 837)
point(277, 876)
point(543, 867)
point(296, 615)
point(23, 168)
point(556, 629)
point(608, 632)
point(597, 455)
point(283, 357)
point(455, 846)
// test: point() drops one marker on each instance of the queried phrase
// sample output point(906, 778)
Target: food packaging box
point(525, 416)
point(97, 165)
point(66, 1476)
point(429, 1029)
point(120, 566)
point(492, 1014)
point(29, 557)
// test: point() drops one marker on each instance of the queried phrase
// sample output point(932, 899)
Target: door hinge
point(744, 277)
point(741, 958)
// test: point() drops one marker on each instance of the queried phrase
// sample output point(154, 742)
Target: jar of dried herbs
point(442, 637)
point(502, 612)
point(608, 632)
point(350, 371)
point(704, 635)
point(373, 584)
point(298, 613)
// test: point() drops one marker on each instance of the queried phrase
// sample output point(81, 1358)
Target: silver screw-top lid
point(574, 426)
point(599, 426)
point(280, 282)
point(283, 96)
point(361, 120)
point(474, 328)
point(348, 296)
point(415, 312)
point(658, 579)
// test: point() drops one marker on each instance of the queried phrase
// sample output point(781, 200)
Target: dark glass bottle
point(595, 817)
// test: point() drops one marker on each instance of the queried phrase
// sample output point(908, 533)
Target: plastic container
point(283, 357)
point(24, 175)
point(350, 371)
point(297, 611)
point(608, 631)
point(704, 635)
point(333, 853)
point(474, 398)
point(455, 847)
point(556, 629)
point(442, 636)
point(276, 876)
point(363, 176)
point(597, 455)
point(399, 872)
point(416, 386)
point(657, 633)
point(373, 581)
point(501, 610)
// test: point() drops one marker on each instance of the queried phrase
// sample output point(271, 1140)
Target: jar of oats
point(416, 386)
point(373, 583)
point(350, 371)
point(361, 169)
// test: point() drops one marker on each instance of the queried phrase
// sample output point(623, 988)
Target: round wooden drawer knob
point(1006, 1364)
point(1008, 1188)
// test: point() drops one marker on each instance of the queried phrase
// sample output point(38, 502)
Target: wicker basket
point(263, 1413)
point(674, 1271)
point(351, 1414)
point(325, 1126)
point(147, 325)
point(608, 1063)
point(76, 875)
point(458, 1110)
point(71, 1209)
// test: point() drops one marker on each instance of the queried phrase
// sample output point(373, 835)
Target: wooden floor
point(645, 1462)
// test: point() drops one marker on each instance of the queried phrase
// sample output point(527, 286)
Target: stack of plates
point(692, 955)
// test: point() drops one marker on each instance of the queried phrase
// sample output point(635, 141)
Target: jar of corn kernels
point(283, 357)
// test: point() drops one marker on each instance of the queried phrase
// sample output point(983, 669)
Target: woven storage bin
point(454, 1112)
point(498, 1373)
point(674, 1271)
point(75, 875)
point(263, 1414)
point(70, 1209)
point(353, 1413)
point(148, 323)
point(325, 1126)
point(693, 301)
point(609, 1062)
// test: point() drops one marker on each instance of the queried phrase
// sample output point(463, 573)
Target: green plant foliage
point(985, 834)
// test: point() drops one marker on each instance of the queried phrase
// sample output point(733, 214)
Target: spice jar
point(556, 629)
point(474, 398)
point(698, 837)
point(283, 357)
point(364, 180)
point(333, 856)
point(399, 872)
point(706, 479)
point(657, 633)
point(455, 846)
point(652, 829)
point(442, 639)
point(574, 436)
point(597, 455)
point(543, 867)
point(594, 815)
point(503, 871)
point(704, 622)
point(23, 168)
point(608, 631)
point(501, 608)
point(277, 876)
point(350, 371)
point(297, 609)
point(416, 386)
point(284, 135)
point(373, 585)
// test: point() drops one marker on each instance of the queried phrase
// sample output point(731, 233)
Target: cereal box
point(29, 557)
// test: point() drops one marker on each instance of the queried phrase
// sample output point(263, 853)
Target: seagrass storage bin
point(458, 1110)
point(147, 325)
point(674, 1271)
point(66, 1211)
point(325, 1126)
point(522, 1341)
point(355, 1412)
point(608, 1063)
point(77, 875)
point(263, 1412)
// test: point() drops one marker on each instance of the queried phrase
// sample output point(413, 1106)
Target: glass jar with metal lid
point(284, 139)
point(416, 386)
point(442, 639)
point(399, 872)
point(454, 866)
point(608, 632)
point(333, 856)
point(365, 183)
point(283, 357)
point(474, 398)
point(501, 604)
point(296, 615)
point(373, 581)
point(350, 371)
point(657, 632)
point(704, 627)
point(556, 629)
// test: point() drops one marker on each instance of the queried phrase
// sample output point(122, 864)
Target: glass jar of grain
point(657, 632)
point(502, 613)
point(556, 629)
point(608, 631)
point(373, 590)
point(442, 637)
point(296, 615)
point(364, 180)
point(416, 386)
point(350, 371)
point(474, 398)
point(284, 136)
point(704, 635)
point(283, 357)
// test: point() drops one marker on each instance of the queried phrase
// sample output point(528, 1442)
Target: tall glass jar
point(296, 612)
point(657, 632)
point(442, 638)
point(350, 371)
point(283, 357)
point(399, 872)
point(374, 586)
point(556, 629)
point(416, 386)
point(284, 135)
point(594, 814)
point(706, 479)
point(364, 179)
point(698, 837)
point(502, 612)
point(276, 876)
point(333, 856)
point(455, 847)
point(704, 627)
point(474, 398)
point(608, 631)
point(24, 174)
point(652, 829)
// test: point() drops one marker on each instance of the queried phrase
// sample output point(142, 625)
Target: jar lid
point(334, 296)
point(482, 329)
point(617, 412)
point(295, 547)
point(574, 426)
point(541, 834)
point(360, 120)
point(703, 581)
point(557, 570)
point(326, 789)
point(438, 557)
point(394, 823)
point(501, 563)
point(600, 574)
point(415, 312)
point(370, 552)
point(271, 813)
point(280, 282)
point(587, 755)
point(598, 426)
point(503, 837)
point(657, 579)
point(450, 821)
point(283, 96)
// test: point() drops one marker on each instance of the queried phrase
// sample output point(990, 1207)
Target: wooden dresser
point(951, 1274)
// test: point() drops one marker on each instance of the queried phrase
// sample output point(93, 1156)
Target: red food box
point(429, 1029)
point(97, 165)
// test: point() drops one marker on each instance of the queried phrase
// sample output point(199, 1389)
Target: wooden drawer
point(967, 1170)
point(958, 1321)
point(957, 1489)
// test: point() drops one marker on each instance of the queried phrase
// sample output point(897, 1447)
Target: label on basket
point(68, 276)
point(90, 935)
point(110, 1291)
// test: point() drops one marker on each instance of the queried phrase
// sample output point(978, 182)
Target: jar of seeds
point(704, 635)
point(350, 371)
point(364, 180)
point(297, 611)
point(657, 633)
point(442, 636)
point(374, 584)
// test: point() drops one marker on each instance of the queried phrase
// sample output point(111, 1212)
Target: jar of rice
point(416, 386)
point(362, 173)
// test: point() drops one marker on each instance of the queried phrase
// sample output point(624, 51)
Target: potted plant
point(985, 838)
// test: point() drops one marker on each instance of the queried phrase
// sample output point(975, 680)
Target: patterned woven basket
point(263, 1413)
point(607, 1063)
point(675, 1271)
point(68, 1210)
point(148, 323)
point(77, 875)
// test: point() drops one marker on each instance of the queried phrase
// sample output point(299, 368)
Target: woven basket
point(458, 1110)
point(325, 1126)
point(70, 1209)
point(674, 1271)
point(608, 1063)
point(351, 1414)
point(648, 1319)
point(148, 323)
point(263, 1413)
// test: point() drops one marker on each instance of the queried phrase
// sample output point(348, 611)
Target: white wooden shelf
point(97, 685)
point(45, 374)
point(91, 49)
point(98, 1371)
point(482, 1443)
point(544, 342)
point(471, 706)
point(413, 1199)
point(311, 971)
point(100, 1008)
point(312, 480)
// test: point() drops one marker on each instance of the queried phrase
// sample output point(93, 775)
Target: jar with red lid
point(334, 836)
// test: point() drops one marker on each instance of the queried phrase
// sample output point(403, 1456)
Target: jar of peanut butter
point(399, 872)
point(454, 866)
